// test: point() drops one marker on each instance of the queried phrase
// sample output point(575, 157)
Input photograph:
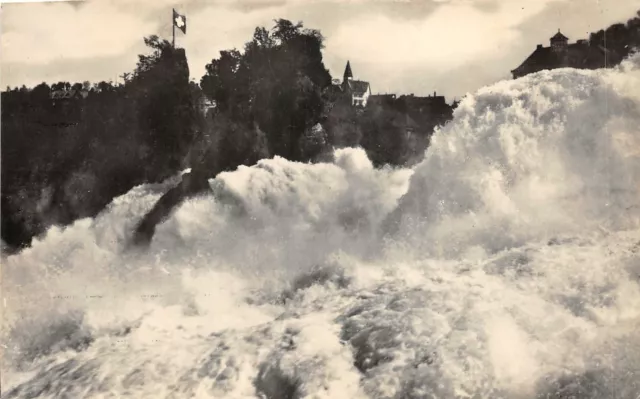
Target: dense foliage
point(66, 158)
point(623, 39)
point(275, 86)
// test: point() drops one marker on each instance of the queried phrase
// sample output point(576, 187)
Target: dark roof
point(558, 37)
point(391, 96)
point(382, 97)
point(423, 101)
point(63, 94)
point(358, 87)
point(347, 71)
point(578, 55)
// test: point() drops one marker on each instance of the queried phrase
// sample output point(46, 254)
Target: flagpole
point(173, 26)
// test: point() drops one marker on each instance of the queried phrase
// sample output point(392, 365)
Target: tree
point(41, 93)
point(220, 83)
point(147, 61)
point(276, 83)
point(61, 86)
point(621, 38)
point(385, 138)
point(84, 153)
point(104, 87)
point(343, 124)
point(285, 31)
point(313, 142)
point(167, 114)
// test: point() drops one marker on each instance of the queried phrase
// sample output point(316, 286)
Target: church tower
point(348, 75)
point(357, 91)
point(559, 42)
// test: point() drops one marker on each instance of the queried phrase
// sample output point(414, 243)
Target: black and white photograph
point(320, 199)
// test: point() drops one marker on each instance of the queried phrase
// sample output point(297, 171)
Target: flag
point(180, 21)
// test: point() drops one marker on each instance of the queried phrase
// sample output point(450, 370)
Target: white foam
point(552, 153)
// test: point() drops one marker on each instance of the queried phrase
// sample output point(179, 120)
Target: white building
point(358, 90)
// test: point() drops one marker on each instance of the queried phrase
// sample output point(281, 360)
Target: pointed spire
point(347, 72)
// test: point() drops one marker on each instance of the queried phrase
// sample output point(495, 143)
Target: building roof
point(62, 94)
point(422, 101)
point(347, 71)
point(382, 98)
point(578, 55)
point(559, 37)
point(358, 87)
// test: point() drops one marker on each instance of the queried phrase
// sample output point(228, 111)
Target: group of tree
point(66, 157)
point(622, 38)
point(270, 96)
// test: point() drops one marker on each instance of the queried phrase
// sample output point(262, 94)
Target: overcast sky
point(448, 46)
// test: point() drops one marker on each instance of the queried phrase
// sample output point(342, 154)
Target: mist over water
point(505, 265)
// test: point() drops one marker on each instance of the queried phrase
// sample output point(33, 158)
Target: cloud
point(212, 29)
point(456, 33)
point(40, 33)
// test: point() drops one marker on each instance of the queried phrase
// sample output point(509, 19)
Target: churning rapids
point(505, 265)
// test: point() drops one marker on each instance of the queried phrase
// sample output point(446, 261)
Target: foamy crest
point(555, 152)
point(282, 217)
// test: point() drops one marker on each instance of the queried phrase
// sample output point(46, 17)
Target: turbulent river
point(505, 265)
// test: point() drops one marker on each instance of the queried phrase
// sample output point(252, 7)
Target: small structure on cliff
point(356, 91)
point(561, 54)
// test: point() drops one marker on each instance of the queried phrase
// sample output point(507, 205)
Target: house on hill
point(359, 91)
point(561, 54)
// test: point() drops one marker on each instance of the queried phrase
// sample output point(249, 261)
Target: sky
point(451, 47)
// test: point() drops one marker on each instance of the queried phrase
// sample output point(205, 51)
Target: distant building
point(427, 111)
point(561, 54)
point(418, 113)
point(382, 99)
point(68, 94)
point(358, 90)
point(424, 104)
point(418, 117)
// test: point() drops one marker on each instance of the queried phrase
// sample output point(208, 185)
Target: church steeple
point(347, 73)
point(559, 42)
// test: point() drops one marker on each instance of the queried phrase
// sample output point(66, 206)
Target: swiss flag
point(180, 21)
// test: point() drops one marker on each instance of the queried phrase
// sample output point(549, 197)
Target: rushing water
point(505, 265)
